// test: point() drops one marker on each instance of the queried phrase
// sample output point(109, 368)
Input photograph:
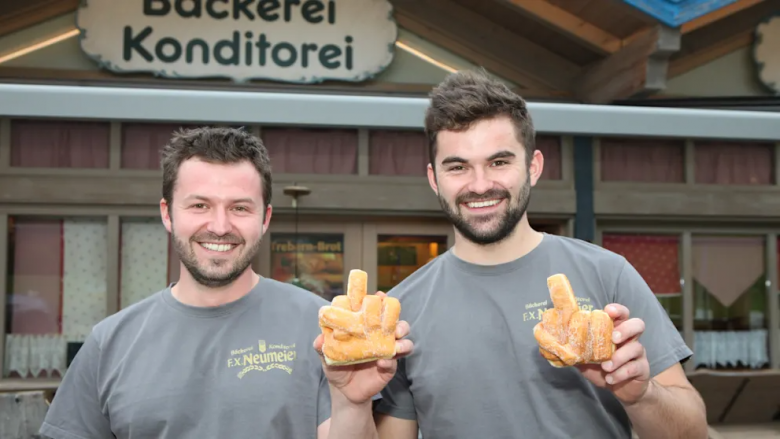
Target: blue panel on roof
point(674, 13)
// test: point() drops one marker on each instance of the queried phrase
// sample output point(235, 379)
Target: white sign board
point(766, 52)
point(302, 41)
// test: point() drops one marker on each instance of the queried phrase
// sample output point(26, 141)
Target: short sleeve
point(76, 411)
point(662, 341)
point(397, 400)
point(323, 399)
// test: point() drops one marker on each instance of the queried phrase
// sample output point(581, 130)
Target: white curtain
point(144, 260)
point(731, 348)
point(33, 354)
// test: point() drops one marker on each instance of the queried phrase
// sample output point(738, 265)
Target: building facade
point(690, 196)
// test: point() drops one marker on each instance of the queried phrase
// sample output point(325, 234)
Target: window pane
point(144, 260)
point(312, 151)
point(143, 142)
point(56, 291)
point(642, 160)
point(398, 256)
point(397, 153)
point(317, 265)
point(730, 320)
point(59, 144)
point(656, 258)
point(550, 147)
point(734, 163)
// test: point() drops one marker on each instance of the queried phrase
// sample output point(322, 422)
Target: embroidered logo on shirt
point(534, 310)
point(263, 358)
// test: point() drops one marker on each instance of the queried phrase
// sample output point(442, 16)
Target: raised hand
point(361, 340)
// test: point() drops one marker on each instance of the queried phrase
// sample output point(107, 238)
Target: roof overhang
point(302, 109)
point(674, 13)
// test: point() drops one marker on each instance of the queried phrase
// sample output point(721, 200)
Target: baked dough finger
point(358, 327)
point(565, 354)
point(342, 319)
point(357, 288)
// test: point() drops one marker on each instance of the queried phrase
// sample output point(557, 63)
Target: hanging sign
point(766, 52)
point(303, 41)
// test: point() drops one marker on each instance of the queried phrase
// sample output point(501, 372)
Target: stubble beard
point(186, 253)
point(507, 222)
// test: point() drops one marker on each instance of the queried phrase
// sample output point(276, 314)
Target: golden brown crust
point(568, 336)
point(358, 327)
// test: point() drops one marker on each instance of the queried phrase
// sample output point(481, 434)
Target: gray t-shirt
point(162, 369)
point(476, 371)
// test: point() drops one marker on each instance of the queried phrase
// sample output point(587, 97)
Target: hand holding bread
point(361, 341)
point(603, 345)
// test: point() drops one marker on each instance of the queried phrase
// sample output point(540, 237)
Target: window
point(143, 142)
point(642, 160)
point(146, 260)
point(398, 153)
point(656, 258)
point(56, 291)
point(734, 163)
point(312, 151)
point(398, 256)
point(550, 147)
point(59, 144)
point(730, 319)
point(311, 261)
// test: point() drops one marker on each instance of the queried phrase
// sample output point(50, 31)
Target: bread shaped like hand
point(359, 328)
point(568, 336)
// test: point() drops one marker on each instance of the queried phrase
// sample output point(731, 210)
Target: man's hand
point(360, 382)
point(627, 375)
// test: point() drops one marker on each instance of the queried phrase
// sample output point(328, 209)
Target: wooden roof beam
point(718, 14)
point(639, 68)
point(591, 36)
point(482, 42)
point(30, 15)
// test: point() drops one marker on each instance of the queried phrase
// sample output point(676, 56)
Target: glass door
point(393, 251)
point(316, 258)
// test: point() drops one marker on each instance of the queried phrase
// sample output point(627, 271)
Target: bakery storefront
point(690, 196)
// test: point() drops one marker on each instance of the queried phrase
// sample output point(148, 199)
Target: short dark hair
point(466, 97)
point(214, 145)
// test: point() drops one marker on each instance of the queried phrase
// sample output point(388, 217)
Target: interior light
point(425, 57)
point(39, 46)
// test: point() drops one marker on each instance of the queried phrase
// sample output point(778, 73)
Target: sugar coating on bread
point(568, 336)
point(358, 327)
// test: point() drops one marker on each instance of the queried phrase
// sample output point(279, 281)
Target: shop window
point(142, 143)
point(550, 147)
point(734, 163)
point(59, 144)
point(56, 292)
point(398, 153)
point(311, 151)
point(148, 261)
point(642, 160)
point(656, 258)
point(312, 261)
point(730, 319)
point(398, 256)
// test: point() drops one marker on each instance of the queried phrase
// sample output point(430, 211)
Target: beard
point(516, 207)
point(214, 272)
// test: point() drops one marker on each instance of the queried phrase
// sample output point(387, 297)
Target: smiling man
point(222, 353)
point(477, 370)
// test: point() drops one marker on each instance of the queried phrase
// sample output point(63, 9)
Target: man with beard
point(477, 370)
point(223, 352)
